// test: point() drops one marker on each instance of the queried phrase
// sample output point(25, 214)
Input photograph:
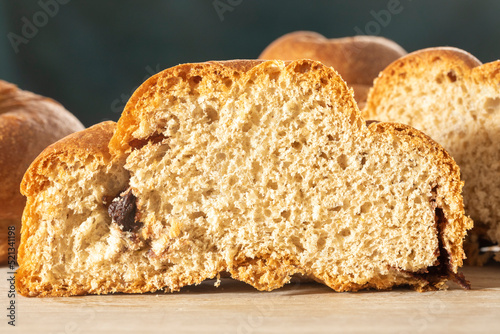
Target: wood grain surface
point(235, 307)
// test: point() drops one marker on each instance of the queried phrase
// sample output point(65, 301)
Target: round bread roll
point(450, 95)
point(357, 59)
point(28, 124)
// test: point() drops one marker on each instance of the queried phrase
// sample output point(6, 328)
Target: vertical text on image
point(11, 279)
point(222, 6)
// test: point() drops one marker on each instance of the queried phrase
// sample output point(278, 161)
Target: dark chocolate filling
point(442, 268)
point(154, 139)
point(370, 121)
point(122, 211)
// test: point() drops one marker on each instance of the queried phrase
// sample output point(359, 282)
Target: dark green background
point(92, 54)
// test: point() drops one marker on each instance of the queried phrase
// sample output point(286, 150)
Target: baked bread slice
point(28, 124)
point(69, 187)
point(357, 59)
point(448, 94)
point(259, 169)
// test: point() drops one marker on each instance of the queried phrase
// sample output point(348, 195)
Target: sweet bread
point(259, 169)
point(449, 95)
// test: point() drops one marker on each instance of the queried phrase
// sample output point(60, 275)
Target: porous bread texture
point(264, 130)
point(260, 169)
point(357, 59)
point(28, 124)
point(67, 241)
point(449, 95)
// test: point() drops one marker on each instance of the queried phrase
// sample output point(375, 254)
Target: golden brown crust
point(446, 60)
point(358, 59)
point(453, 234)
point(28, 124)
point(146, 96)
point(143, 97)
point(488, 73)
point(145, 100)
point(91, 142)
point(417, 61)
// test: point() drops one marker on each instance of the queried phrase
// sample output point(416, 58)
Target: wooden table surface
point(235, 307)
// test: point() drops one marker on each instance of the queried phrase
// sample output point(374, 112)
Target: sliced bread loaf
point(259, 169)
point(447, 93)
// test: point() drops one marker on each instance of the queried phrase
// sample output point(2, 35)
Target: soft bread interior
point(272, 171)
point(263, 177)
point(71, 240)
point(459, 107)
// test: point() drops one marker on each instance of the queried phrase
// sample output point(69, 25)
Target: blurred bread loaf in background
point(28, 124)
point(357, 59)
